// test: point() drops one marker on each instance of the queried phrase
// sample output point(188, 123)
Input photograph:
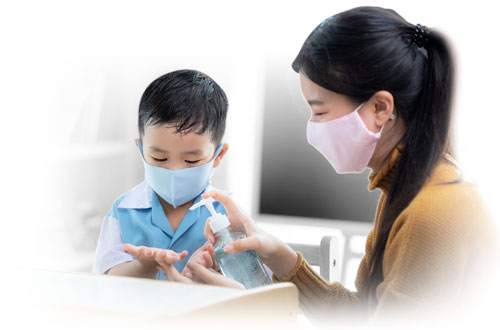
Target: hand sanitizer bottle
point(244, 267)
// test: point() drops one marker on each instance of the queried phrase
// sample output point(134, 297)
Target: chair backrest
point(326, 255)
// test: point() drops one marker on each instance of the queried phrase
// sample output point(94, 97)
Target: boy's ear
point(137, 142)
point(221, 154)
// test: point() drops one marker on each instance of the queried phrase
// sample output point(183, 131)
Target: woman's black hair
point(189, 99)
point(367, 49)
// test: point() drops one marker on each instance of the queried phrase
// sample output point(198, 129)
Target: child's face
point(164, 147)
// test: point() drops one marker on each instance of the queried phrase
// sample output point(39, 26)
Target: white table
point(89, 301)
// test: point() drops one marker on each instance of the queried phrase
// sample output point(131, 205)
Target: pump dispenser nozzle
point(218, 221)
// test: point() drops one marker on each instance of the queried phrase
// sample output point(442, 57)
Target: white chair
point(325, 255)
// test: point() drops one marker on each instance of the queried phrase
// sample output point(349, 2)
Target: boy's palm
point(151, 257)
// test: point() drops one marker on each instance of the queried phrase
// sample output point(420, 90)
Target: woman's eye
point(159, 160)
point(192, 161)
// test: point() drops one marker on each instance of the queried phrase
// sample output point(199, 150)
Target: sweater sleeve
point(318, 298)
point(424, 262)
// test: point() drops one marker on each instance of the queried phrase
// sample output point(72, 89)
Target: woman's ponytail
point(426, 138)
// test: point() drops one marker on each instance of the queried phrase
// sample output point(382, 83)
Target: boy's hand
point(149, 257)
point(203, 256)
point(200, 274)
point(199, 269)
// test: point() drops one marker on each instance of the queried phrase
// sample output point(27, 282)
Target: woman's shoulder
point(449, 202)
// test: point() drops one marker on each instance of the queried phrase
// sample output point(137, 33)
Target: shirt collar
point(140, 197)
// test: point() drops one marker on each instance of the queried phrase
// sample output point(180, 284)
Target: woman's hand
point(276, 254)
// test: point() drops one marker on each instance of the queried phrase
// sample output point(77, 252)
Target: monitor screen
point(295, 179)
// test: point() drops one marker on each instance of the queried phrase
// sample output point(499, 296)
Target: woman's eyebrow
point(315, 102)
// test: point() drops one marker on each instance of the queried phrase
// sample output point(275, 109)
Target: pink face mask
point(345, 142)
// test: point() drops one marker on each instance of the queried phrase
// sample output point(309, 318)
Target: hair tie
point(419, 36)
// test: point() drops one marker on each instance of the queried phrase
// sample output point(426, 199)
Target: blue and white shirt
point(137, 217)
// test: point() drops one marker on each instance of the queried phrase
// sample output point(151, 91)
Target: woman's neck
point(392, 134)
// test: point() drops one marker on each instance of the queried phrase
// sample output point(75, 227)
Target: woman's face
point(325, 104)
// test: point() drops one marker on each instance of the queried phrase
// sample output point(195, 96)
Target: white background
point(54, 54)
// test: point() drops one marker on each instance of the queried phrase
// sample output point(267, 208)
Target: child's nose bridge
point(174, 166)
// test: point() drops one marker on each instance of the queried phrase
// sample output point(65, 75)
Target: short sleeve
point(109, 251)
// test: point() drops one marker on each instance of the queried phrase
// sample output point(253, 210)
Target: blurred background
point(73, 74)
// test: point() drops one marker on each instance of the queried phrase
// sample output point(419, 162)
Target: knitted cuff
point(289, 277)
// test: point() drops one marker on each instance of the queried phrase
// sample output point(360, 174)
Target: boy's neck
point(175, 214)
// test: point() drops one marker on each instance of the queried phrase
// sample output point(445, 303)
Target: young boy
point(182, 117)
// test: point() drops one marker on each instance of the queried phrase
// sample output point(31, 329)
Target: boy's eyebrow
point(190, 152)
point(315, 102)
point(154, 148)
point(193, 152)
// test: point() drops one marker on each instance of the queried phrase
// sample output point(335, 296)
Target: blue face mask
point(180, 186)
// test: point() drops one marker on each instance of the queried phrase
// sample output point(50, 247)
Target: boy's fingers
point(186, 272)
point(210, 250)
point(129, 248)
point(168, 257)
point(174, 275)
point(208, 232)
point(207, 260)
point(137, 252)
point(207, 276)
point(148, 252)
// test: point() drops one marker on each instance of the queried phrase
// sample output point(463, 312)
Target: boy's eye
point(160, 160)
point(319, 114)
point(192, 161)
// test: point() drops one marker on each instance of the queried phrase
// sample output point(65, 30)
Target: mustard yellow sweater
point(434, 249)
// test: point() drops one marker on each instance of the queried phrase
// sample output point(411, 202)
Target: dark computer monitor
point(295, 179)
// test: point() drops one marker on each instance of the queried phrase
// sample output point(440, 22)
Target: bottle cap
point(218, 221)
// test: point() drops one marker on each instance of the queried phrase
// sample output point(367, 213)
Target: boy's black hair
point(189, 99)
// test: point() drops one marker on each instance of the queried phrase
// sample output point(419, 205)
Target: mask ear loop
point(139, 146)
point(391, 117)
point(217, 152)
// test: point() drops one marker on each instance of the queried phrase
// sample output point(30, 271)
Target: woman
point(380, 91)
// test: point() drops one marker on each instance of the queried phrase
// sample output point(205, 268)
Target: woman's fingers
point(244, 244)
point(224, 199)
point(211, 277)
